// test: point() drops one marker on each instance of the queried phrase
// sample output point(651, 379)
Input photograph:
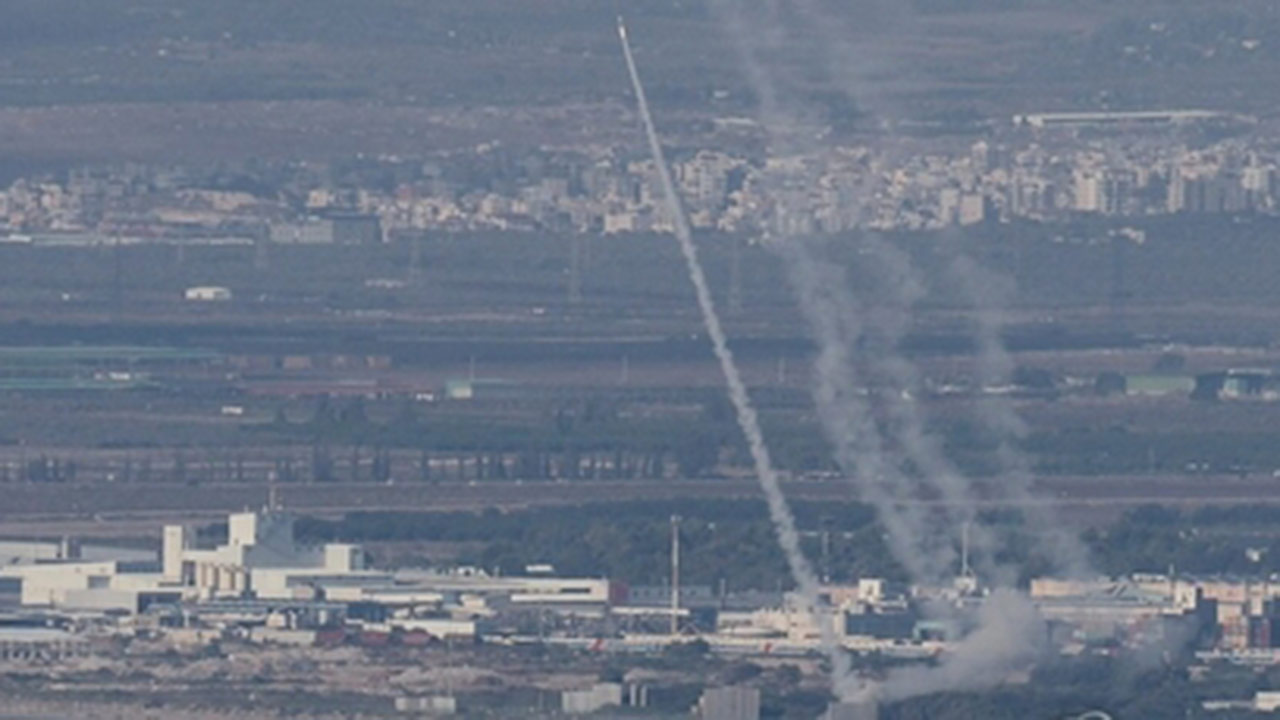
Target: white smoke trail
point(1009, 634)
point(983, 291)
point(994, 365)
point(910, 429)
point(784, 522)
point(832, 312)
point(848, 423)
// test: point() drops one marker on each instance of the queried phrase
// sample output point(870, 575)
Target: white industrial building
point(70, 575)
point(581, 595)
point(260, 559)
point(591, 700)
point(262, 562)
point(30, 552)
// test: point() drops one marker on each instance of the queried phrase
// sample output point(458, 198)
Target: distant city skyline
point(1040, 176)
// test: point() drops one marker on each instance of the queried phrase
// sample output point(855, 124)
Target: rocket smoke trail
point(846, 418)
point(835, 318)
point(1009, 630)
point(783, 521)
point(994, 366)
point(987, 292)
point(901, 282)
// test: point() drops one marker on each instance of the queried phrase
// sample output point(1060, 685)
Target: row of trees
point(734, 539)
point(1236, 540)
point(730, 540)
point(325, 463)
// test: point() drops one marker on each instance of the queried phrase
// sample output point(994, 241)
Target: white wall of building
point(49, 584)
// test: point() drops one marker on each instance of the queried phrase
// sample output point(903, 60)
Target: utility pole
point(675, 575)
point(274, 502)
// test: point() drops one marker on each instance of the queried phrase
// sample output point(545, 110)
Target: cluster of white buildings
point(260, 558)
point(262, 582)
point(1051, 171)
point(262, 576)
point(845, 188)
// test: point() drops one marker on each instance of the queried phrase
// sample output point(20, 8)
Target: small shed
point(207, 293)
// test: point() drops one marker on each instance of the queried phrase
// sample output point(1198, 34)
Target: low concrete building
point(207, 293)
point(591, 596)
point(593, 699)
point(260, 559)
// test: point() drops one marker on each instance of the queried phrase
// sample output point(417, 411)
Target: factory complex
point(260, 584)
point(256, 596)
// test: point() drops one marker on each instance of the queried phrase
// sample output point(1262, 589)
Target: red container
point(415, 638)
point(330, 637)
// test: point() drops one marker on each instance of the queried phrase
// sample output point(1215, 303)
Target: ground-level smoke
point(1010, 634)
point(779, 512)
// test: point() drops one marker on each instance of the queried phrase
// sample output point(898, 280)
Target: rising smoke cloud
point(1010, 635)
point(779, 511)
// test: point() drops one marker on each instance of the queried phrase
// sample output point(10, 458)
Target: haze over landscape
point(732, 359)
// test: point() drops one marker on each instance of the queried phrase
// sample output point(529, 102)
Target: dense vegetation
point(730, 541)
point(1240, 540)
point(733, 541)
point(722, 540)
